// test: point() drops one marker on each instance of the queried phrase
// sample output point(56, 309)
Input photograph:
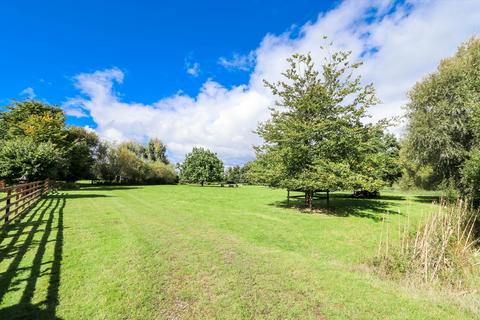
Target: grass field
point(187, 252)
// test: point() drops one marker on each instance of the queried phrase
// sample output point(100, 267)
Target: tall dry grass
point(443, 249)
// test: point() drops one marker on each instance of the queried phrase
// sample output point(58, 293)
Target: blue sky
point(190, 72)
point(46, 43)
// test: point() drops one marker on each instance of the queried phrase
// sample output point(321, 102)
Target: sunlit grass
point(183, 252)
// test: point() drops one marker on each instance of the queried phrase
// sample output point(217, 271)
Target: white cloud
point(73, 107)
point(240, 62)
point(193, 69)
point(89, 129)
point(28, 92)
point(398, 47)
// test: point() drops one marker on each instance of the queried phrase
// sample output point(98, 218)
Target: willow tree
point(443, 114)
point(317, 137)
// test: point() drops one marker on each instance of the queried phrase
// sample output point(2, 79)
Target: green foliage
point(161, 173)
point(25, 157)
point(34, 119)
point(471, 176)
point(316, 137)
point(46, 148)
point(156, 151)
point(233, 174)
point(381, 163)
point(200, 166)
point(107, 165)
point(137, 148)
point(81, 149)
point(248, 174)
point(132, 168)
point(414, 175)
point(32, 141)
point(443, 115)
point(125, 164)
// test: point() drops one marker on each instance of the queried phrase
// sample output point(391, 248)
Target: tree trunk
point(202, 183)
point(309, 198)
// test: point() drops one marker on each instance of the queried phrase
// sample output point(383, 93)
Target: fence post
point(7, 210)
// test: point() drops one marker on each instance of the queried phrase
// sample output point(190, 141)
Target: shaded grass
point(184, 252)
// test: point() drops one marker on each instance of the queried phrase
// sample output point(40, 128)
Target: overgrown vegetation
point(443, 250)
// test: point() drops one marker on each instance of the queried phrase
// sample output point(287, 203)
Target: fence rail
point(17, 199)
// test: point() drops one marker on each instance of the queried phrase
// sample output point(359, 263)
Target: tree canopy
point(34, 119)
point(317, 137)
point(233, 174)
point(156, 150)
point(127, 163)
point(444, 118)
point(200, 166)
point(32, 139)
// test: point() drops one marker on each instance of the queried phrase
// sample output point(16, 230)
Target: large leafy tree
point(34, 119)
point(443, 118)
point(81, 147)
point(32, 141)
point(200, 166)
point(317, 137)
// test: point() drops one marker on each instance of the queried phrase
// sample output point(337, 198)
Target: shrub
point(443, 250)
point(24, 157)
point(159, 172)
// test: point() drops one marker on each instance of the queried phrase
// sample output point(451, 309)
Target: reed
point(443, 248)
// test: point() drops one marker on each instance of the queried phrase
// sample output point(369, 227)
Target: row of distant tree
point(317, 138)
point(35, 143)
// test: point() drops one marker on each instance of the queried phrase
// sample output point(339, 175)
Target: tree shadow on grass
point(85, 195)
point(31, 249)
point(427, 199)
point(106, 187)
point(342, 205)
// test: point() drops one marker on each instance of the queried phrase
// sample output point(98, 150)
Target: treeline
point(35, 143)
point(132, 162)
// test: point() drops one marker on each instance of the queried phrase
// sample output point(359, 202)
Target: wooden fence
point(17, 199)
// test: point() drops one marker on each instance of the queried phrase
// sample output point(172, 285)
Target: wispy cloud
point(399, 46)
point(73, 107)
point(238, 62)
point(192, 68)
point(28, 92)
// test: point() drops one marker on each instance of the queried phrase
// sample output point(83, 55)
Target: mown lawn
point(187, 252)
